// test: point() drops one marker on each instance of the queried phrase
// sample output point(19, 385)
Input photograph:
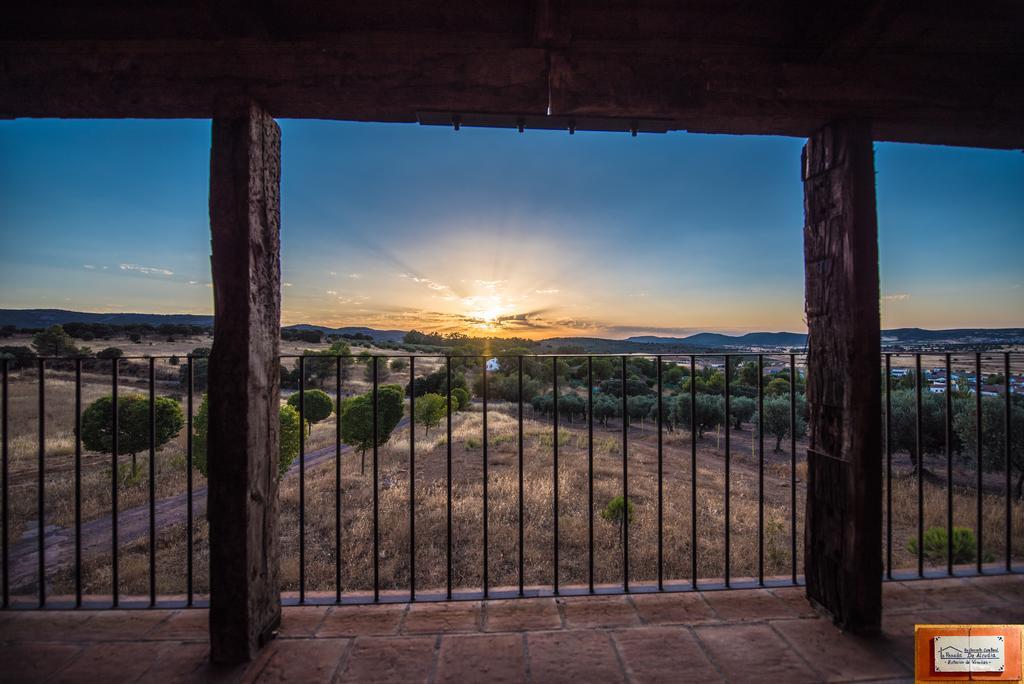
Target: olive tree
point(903, 424)
point(460, 399)
point(639, 407)
point(709, 412)
point(605, 408)
point(741, 410)
point(993, 435)
point(430, 409)
point(777, 420)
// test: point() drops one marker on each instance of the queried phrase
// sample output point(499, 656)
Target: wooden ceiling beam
point(960, 99)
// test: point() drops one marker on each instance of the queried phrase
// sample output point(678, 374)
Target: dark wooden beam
point(843, 525)
point(366, 77)
point(245, 218)
point(907, 98)
point(710, 72)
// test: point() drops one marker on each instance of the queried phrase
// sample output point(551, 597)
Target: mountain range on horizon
point(41, 318)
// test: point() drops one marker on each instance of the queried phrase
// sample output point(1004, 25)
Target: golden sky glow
point(489, 232)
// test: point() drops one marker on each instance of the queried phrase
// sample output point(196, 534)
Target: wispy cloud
point(549, 291)
point(898, 297)
point(89, 267)
point(489, 284)
point(432, 284)
point(355, 276)
point(148, 270)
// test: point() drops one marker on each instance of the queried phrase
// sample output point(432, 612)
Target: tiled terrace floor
point(763, 635)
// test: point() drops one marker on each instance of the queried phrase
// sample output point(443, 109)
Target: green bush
point(132, 424)
point(935, 545)
point(460, 399)
point(430, 409)
point(357, 419)
point(288, 437)
point(617, 511)
point(109, 353)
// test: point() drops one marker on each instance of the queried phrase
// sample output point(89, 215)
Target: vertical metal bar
point(625, 482)
point(554, 469)
point(522, 552)
point(448, 537)
point(888, 465)
point(114, 446)
point(486, 521)
point(376, 496)
point(693, 471)
point(188, 484)
point(5, 504)
point(78, 483)
point(728, 469)
point(920, 465)
point(41, 486)
point(792, 466)
point(979, 446)
point(337, 479)
point(660, 481)
point(760, 467)
point(412, 480)
point(590, 473)
point(1007, 434)
point(302, 478)
point(152, 482)
point(948, 418)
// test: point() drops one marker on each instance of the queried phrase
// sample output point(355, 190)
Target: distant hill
point(601, 345)
point(898, 337)
point(641, 344)
point(41, 318)
point(754, 339)
point(380, 335)
point(953, 336)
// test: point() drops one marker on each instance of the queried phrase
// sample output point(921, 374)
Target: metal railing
point(691, 364)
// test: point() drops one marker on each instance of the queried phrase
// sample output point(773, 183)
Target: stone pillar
point(244, 383)
point(843, 530)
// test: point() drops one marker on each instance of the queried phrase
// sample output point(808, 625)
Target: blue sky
point(492, 231)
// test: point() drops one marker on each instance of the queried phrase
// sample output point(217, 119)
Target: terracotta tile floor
point(763, 635)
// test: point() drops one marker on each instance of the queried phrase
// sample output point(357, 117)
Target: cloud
point(432, 284)
point(489, 284)
point(287, 284)
point(89, 267)
point(332, 292)
point(550, 291)
point(899, 297)
point(355, 276)
point(147, 270)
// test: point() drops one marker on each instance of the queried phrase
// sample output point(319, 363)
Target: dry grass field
point(467, 500)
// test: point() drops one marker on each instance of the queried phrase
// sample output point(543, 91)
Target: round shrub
point(316, 406)
point(288, 437)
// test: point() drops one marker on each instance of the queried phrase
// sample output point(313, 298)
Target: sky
point(493, 232)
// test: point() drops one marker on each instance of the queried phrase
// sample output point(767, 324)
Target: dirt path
point(132, 525)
